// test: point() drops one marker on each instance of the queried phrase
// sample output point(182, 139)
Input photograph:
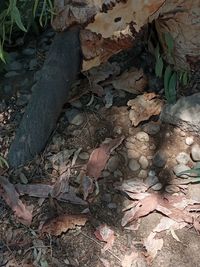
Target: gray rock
point(133, 165)
point(33, 64)
point(15, 65)
point(142, 137)
point(84, 155)
point(157, 187)
point(184, 114)
point(151, 180)
point(183, 158)
point(118, 173)
point(74, 116)
point(105, 173)
point(143, 162)
point(151, 128)
point(189, 140)
point(107, 198)
point(113, 164)
point(195, 152)
point(180, 168)
point(11, 74)
point(29, 51)
point(159, 159)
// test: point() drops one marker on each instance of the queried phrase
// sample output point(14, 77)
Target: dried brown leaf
point(104, 233)
point(63, 223)
point(129, 259)
point(11, 197)
point(152, 245)
point(105, 262)
point(100, 156)
point(143, 107)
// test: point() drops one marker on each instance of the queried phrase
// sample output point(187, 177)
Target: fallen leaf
point(104, 233)
point(100, 156)
point(105, 262)
point(87, 186)
point(174, 235)
point(167, 223)
point(143, 107)
point(129, 259)
point(62, 185)
point(11, 197)
point(43, 191)
point(152, 246)
point(63, 223)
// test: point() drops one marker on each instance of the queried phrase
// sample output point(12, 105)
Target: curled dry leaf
point(63, 223)
point(152, 245)
point(104, 233)
point(11, 197)
point(143, 107)
point(100, 156)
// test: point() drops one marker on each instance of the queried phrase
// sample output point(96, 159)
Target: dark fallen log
point(50, 94)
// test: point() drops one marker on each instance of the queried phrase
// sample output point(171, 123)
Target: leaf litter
point(104, 233)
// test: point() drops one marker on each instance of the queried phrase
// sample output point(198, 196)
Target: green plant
point(167, 72)
point(3, 162)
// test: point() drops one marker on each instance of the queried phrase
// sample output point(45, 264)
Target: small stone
point(76, 104)
point(182, 134)
point(33, 64)
point(151, 180)
point(84, 155)
point(133, 165)
point(23, 178)
point(159, 159)
point(117, 130)
point(183, 158)
point(181, 168)
point(157, 187)
point(195, 152)
point(118, 173)
point(189, 140)
point(74, 116)
point(152, 147)
point(112, 206)
point(143, 162)
point(29, 51)
point(105, 173)
point(113, 164)
point(142, 137)
point(107, 198)
point(151, 128)
point(15, 65)
point(143, 174)
point(132, 154)
point(11, 74)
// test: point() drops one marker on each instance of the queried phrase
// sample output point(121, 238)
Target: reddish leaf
point(63, 223)
point(100, 156)
point(9, 194)
point(104, 233)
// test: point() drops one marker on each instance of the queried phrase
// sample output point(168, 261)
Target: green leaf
point(185, 78)
point(2, 57)
point(35, 7)
point(3, 162)
point(15, 15)
point(167, 75)
point(169, 42)
point(191, 172)
point(172, 88)
point(159, 67)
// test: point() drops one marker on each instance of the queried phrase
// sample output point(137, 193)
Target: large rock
point(184, 114)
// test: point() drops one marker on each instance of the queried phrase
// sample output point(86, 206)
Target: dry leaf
point(62, 185)
point(167, 223)
point(143, 107)
point(87, 186)
point(104, 233)
point(100, 156)
point(63, 223)
point(152, 245)
point(105, 262)
point(129, 259)
point(11, 197)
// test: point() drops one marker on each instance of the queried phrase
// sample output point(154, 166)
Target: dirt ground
point(27, 246)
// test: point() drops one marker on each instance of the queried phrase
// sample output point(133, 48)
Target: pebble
point(143, 162)
point(11, 74)
point(142, 137)
point(189, 140)
point(132, 154)
point(143, 174)
point(113, 164)
point(84, 155)
point(28, 51)
point(105, 173)
point(183, 158)
point(23, 178)
point(195, 152)
point(15, 65)
point(112, 206)
point(180, 168)
point(159, 159)
point(157, 187)
point(133, 165)
point(151, 128)
point(118, 173)
point(182, 134)
point(107, 198)
point(74, 116)
point(117, 130)
point(151, 180)
point(130, 145)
